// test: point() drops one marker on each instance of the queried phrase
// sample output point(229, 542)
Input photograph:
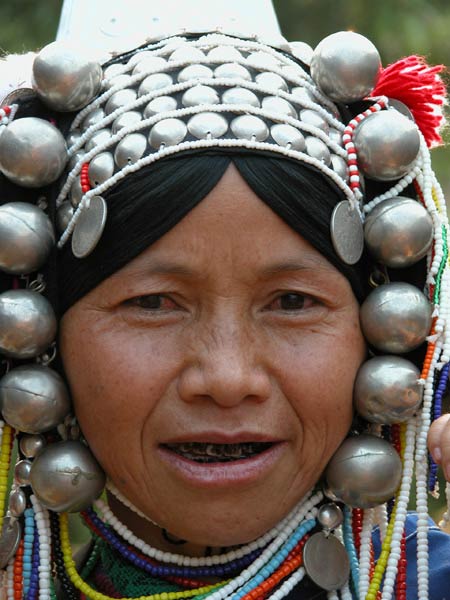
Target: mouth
point(205, 452)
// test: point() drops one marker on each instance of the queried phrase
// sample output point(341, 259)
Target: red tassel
point(419, 86)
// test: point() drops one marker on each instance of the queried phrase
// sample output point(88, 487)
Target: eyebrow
point(292, 266)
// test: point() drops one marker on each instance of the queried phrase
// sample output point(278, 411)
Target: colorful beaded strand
point(18, 572)
point(365, 551)
point(438, 395)
point(350, 547)
point(33, 588)
point(28, 549)
point(5, 460)
point(43, 530)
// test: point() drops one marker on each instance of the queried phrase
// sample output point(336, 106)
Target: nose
point(226, 367)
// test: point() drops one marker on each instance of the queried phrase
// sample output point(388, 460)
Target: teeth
point(206, 452)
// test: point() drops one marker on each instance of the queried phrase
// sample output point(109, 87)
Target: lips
point(206, 452)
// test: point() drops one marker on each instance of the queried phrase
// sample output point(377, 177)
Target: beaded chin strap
point(191, 92)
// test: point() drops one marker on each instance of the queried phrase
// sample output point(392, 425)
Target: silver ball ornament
point(27, 324)
point(33, 398)
point(17, 503)
point(26, 237)
point(364, 472)
point(31, 445)
point(345, 66)
point(22, 472)
point(398, 232)
point(387, 390)
point(387, 143)
point(330, 516)
point(396, 317)
point(33, 152)
point(64, 79)
point(65, 477)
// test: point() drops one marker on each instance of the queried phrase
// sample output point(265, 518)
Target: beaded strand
point(28, 549)
point(43, 531)
point(5, 461)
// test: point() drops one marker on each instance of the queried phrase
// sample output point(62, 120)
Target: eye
point(153, 302)
point(291, 302)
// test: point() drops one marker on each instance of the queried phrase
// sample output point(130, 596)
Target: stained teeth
point(206, 452)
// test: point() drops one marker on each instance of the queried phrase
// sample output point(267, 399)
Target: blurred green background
point(397, 28)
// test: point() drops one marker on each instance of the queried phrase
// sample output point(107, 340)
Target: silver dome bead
point(339, 165)
point(119, 99)
point(239, 95)
point(302, 94)
point(94, 117)
point(121, 80)
point(31, 445)
point(156, 81)
point(232, 71)
point(318, 149)
point(130, 149)
point(65, 477)
point(224, 54)
point(398, 232)
point(33, 398)
point(387, 390)
point(160, 104)
point(194, 72)
point(345, 66)
point(64, 79)
point(101, 168)
point(63, 216)
point(167, 132)
point(312, 117)
point(17, 503)
point(272, 81)
point(396, 317)
point(73, 137)
point(364, 472)
point(33, 152)
point(387, 143)
point(22, 472)
point(262, 60)
point(330, 516)
point(27, 324)
point(249, 127)
point(302, 51)
point(101, 136)
point(200, 94)
point(207, 125)
point(76, 193)
point(187, 52)
point(287, 135)
point(148, 63)
point(278, 105)
point(26, 237)
point(127, 119)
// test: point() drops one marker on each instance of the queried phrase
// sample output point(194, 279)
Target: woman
point(210, 350)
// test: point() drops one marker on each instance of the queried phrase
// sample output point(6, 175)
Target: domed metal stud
point(27, 324)
point(345, 66)
point(73, 137)
point(302, 51)
point(64, 79)
point(65, 477)
point(101, 168)
point(239, 95)
point(33, 398)
point(9, 540)
point(17, 503)
point(335, 136)
point(76, 193)
point(386, 156)
point(147, 63)
point(31, 445)
point(387, 390)
point(398, 232)
point(33, 152)
point(113, 71)
point(288, 136)
point(364, 472)
point(321, 550)
point(278, 105)
point(339, 165)
point(167, 132)
point(301, 95)
point(187, 53)
point(89, 227)
point(249, 127)
point(200, 94)
point(100, 137)
point(347, 234)
point(22, 472)
point(119, 99)
point(207, 125)
point(154, 82)
point(330, 516)
point(94, 117)
point(232, 71)
point(272, 81)
point(26, 237)
point(312, 117)
point(396, 317)
point(263, 60)
point(63, 216)
point(128, 119)
point(75, 158)
point(130, 149)
point(195, 72)
point(160, 104)
point(122, 81)
point(318, 149)
point(224, 54)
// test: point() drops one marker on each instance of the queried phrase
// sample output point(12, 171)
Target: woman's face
point(212, 375)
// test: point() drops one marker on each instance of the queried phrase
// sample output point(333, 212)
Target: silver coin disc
point(89, 227)
point(9, 540)
point(347, 233)
point(326, 562)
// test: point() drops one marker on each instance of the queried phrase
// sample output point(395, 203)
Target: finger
point(439, 443)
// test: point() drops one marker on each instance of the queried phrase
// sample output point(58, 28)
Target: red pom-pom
point(419, 86)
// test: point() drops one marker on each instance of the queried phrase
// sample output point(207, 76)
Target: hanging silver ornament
point(76, 193)
point(345, 66)
point(73, 137)
point(398, 232)
point(94, 117)
point(33, 398)
point(127, 119)
point(317, 149)
point(387, 390)
point(26, 238)
point(288, 136)
point(263, 60)
point(119, 99)
point(64, 79)
point(364, 472)
point(330, 516)
point(339, 165)
point(9, 540)
point(89, 227)
point(120, 81)
point(75, 158)
point(154, 82)
point(101, 168)
point(27, 324)
point(17, 503)
point(312, 117)
point(65, 477)
point(147, 63)
point(396, 317)
point(100, 137)
point(278, 105)
point(22, 472)
point(33, 152)
point(167, 132)
point(322, 550)
point(31, 445)
point(160, 104)
point(207, 125)
point(200, 94)
point(130, 149)
point(239, 95)
point(232, 71)
point(387, 143)
point(249, 127)
point(195, 72)
point(271, 81)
